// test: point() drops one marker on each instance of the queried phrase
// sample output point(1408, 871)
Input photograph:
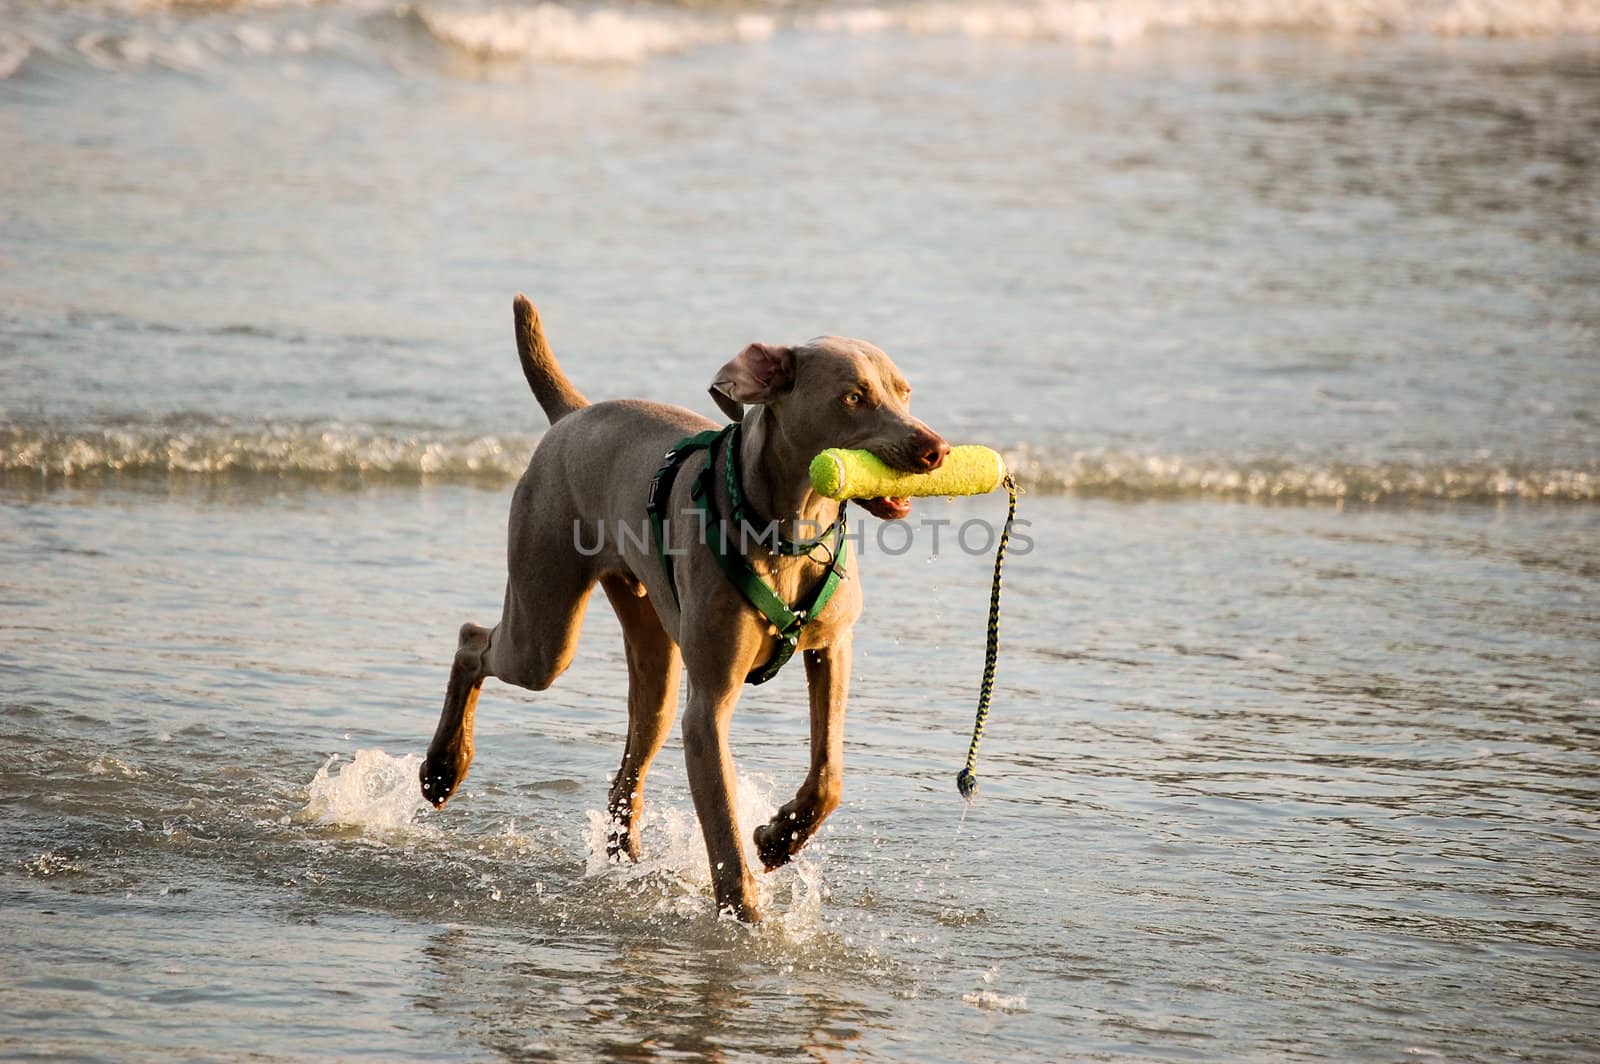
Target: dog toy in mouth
point(841, 474)
point(971, 470)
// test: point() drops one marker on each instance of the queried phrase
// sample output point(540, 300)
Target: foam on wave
point(287, 451)
point(1121, 474)
point(554, 32)
point(195, 35)
point(14, 51)
point(1121, 21)
point(337, 452)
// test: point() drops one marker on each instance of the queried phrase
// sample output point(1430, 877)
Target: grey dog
point(592, 471)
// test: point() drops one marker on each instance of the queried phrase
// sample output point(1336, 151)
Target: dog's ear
point(759, 374)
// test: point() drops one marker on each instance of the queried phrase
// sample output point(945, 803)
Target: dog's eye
point(853, 399)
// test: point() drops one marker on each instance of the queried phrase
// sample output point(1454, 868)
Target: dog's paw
point(622, 842)
point(439, 781)
point(776, 844)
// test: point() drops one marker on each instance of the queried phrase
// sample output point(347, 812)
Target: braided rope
point(967, 779)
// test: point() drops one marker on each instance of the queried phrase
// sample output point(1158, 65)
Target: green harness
point(789, 622)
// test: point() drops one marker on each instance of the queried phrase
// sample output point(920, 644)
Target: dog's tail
point(550, 386)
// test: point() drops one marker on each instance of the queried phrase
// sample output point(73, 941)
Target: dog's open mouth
point(888, 508)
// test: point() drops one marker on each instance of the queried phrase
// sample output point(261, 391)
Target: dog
point(579, 517)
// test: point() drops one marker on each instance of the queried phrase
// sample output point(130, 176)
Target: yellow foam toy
point(970, 470)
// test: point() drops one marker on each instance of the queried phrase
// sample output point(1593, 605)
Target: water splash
point(375, 792)
point(673, 861)
point(987, 998)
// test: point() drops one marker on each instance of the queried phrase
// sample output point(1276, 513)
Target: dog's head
point(834, 392)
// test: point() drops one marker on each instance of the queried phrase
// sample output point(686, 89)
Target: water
point(1287, 314)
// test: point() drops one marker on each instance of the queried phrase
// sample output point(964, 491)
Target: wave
point(276, 451)
point(194, 35)
point(556, 33)
point(1130, 475)
point(551, 32)
point(185, 38)
point(359, 455)
point(14, 51)
point(1118, 21)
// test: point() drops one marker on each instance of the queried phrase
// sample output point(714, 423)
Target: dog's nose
point(930, 452)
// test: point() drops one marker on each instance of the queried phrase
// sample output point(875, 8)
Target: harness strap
point(788, 622)
point(742, 514)
point(661, 491)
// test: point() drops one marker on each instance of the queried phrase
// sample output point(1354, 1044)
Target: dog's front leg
point(828, 677)
point(713, 694)
point(450, 753)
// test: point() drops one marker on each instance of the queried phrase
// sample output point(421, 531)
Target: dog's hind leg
point(531, 646)
point(654, 666)
point(450, 753)
point(828, 677)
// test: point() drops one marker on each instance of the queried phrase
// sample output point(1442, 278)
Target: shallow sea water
point(1291, 333)
point(1335, 804)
